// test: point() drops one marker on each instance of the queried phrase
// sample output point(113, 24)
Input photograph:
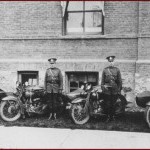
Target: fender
point(7, 98)
point(78, 100)
point(148, 103)
point(14, 98)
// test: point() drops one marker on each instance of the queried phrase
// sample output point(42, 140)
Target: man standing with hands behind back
point(53, 85)
point(111, 85)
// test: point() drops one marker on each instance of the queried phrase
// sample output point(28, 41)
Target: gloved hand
point(45, 92)
point(119, 92)
point(105, 87)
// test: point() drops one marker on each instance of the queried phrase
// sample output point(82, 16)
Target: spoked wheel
point(10, 110)
point(147, 115)
point(79, 114)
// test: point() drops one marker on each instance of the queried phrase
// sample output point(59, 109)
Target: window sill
point(78, 37)
point(82, 37)
point(106, 36)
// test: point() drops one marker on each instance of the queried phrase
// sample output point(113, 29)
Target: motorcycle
point(143, 101)
point(29, 100)
point(91, 103)
point(68, 98)
point(32, 100)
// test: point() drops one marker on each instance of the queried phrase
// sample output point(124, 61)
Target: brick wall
point(144, 48)
point(30, 19)
point(144, 18)
point(142, 76)
point(68, 49)
point(31, 32)
point(121, 17)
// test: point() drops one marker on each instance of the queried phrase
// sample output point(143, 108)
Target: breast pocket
point(107, 78)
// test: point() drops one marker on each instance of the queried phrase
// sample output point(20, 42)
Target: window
point(77, 79)
point(83, 17)
point(30, 77)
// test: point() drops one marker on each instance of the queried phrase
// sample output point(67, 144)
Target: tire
point(79, 114)
point(8, 111)
point(147, 115)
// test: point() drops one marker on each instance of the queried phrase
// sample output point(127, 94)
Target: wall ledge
point(143, 61)
point(62, 60)
point(71, 37)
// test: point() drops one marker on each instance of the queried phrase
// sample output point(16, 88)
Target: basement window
point(77, 79)
point(28, 77)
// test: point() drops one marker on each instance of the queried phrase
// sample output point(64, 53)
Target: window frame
point(84, 74)
point(28, 72)
point(65, 18)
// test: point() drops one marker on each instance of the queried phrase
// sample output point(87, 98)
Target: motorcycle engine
point(95, 102)
point(94, 96)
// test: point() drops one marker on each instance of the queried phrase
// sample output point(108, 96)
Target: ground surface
point(131, 121)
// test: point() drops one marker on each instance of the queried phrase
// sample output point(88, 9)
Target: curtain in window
point(101, 7)
point(63, 5)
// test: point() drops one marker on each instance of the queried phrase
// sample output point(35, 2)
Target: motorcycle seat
point(73, 95)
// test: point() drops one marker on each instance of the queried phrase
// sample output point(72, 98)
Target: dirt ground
point(131, 121)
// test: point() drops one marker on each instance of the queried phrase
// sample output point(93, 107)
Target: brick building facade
point(31, 32)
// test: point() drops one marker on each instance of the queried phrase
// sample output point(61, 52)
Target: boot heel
point(55, 116)
point(50, 116)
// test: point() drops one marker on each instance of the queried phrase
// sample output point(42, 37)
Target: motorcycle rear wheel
point(79, 114)
point(9, 112)
point(147, 115)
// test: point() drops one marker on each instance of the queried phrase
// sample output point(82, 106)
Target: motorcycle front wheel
point(10, 111)
point(79, 114)
point(147, 115)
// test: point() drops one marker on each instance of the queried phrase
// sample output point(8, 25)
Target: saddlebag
point(143, 98)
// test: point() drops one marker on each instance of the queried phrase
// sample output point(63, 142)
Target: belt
point(52, 82)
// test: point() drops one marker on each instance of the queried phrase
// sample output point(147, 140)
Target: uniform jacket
point(53, 80)
point(111, 77)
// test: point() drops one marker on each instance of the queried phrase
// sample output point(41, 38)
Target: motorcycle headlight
point(89, 87)
point(94, 96)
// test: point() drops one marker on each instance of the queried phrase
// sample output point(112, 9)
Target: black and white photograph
point(74, 74)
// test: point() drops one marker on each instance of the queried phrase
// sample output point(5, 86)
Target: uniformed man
point(111, 85)
point(53, 86)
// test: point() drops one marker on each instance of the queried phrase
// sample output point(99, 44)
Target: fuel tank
point(34, 92)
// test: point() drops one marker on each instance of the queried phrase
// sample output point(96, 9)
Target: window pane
point(75, 22)
point(93, 5)
point(81, 83)
point(92, 78)
point(82, 77)
point(93, 83)
point(75, 6)
point(71, 90)
point(93, 22)
point(30, 78)
point(73, 84)
point(34, 82)
point(77, 79)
